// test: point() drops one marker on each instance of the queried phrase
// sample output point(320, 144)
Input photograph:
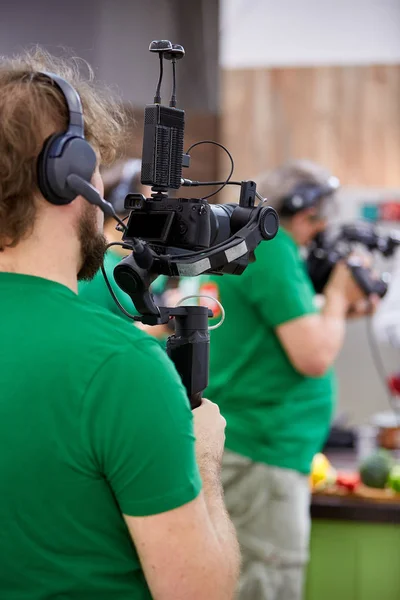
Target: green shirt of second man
point(275, 415)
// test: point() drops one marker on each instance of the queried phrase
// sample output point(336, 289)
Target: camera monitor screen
point(151, 227)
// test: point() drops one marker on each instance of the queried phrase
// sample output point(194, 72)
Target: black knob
point(269, 223)
point(127, 279)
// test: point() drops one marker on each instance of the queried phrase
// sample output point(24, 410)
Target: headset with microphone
point(67, 162)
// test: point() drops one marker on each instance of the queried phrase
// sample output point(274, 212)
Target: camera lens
point(220, 218)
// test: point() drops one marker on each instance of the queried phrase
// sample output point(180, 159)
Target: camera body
point(174, 222)
point(170, 225)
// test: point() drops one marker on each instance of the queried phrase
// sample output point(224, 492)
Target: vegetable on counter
point(394, 479)
point(322, 472)
point(375, 470)
point(378, 477)
point(348, 481)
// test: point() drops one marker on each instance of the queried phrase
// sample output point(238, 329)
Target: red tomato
point(349, 481)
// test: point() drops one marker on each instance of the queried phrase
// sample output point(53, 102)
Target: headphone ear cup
point(42, 161)
point(61, 156)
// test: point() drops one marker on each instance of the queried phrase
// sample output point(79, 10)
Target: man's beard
point(93, 244)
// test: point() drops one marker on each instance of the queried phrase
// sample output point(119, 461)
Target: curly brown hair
point(31, 109)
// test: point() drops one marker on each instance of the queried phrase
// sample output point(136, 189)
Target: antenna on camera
point(176, 53)
point(164, 128)
point(160, 47)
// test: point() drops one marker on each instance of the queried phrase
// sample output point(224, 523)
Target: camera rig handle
point(189, 349)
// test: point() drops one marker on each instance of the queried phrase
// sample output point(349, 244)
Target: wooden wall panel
point(347, 118)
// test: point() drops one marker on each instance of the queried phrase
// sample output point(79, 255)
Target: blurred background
point(271, 80)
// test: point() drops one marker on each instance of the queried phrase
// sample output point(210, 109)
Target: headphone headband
point(306, 195)
point(73, 102)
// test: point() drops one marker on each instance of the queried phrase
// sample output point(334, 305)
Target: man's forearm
point(220, 519)
point(334, 322)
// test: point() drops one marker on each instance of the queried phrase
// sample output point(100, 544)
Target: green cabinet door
point(354, 561)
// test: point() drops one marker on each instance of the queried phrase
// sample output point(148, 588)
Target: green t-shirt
point(97, 291)
point(94, 423)
point(274, 414)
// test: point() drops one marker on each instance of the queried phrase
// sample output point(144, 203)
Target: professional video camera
point(184, 236)
point(329, 248)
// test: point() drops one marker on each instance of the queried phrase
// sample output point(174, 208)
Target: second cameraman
point(271, 374)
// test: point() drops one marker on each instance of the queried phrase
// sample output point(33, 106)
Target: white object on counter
point(366, 441)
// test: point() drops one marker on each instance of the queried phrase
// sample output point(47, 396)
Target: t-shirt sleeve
point(138, 428)
point(277, 284)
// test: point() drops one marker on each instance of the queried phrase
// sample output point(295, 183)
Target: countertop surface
point(345, 508)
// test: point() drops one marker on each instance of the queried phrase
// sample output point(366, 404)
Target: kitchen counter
point(340, 508)
point(348, 508)
point(355, 544)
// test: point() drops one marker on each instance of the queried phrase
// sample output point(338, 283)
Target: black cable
point(198, 183)
point(108, 284)
point(157, 97)
point(172, 102)
point(118, 227)
point(223, 183)
point(120, 222)
point(230, 157)
point(380, 368)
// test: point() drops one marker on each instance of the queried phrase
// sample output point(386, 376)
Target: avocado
point(375, 470)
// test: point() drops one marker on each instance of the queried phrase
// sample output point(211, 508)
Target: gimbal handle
point(189, 349)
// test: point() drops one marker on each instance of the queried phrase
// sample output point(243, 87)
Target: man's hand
point(342, 283)
point(364, 308)
point(209, 429)
point(157, 331)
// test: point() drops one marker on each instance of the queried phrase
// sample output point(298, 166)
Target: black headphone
point(67, 161)
point(307, 195)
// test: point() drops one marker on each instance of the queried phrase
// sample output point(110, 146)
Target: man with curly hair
point(105, 491)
